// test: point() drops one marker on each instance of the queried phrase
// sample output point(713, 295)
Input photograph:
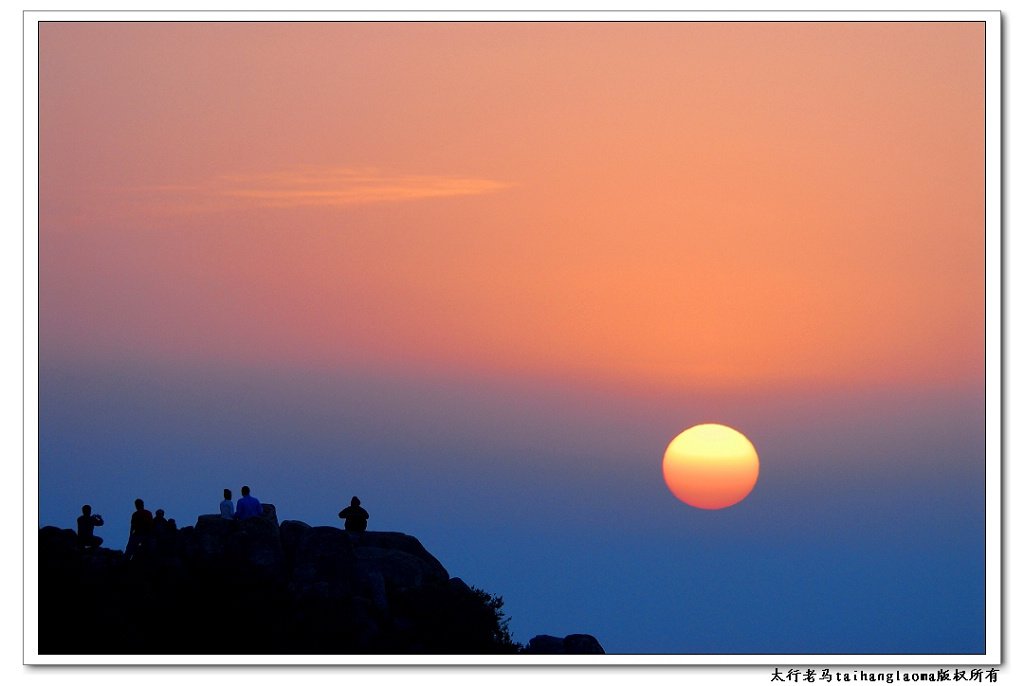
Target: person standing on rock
point(159, 523)
point(247, 506)
point(227, 508)
point(355, 517)
point(142, 525)
point(86, 522)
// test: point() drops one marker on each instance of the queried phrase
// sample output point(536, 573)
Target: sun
point(710, 466)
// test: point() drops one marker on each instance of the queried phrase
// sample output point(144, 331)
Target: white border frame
point(993, 336)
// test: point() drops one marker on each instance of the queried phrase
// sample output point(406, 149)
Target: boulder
point(269, 513)
point(546, 645)
point(399, 569)
point(573, 644)
point(210, 533)
point(52, 535)
point(459, 586)
point(401, 559)
point(375, 587)
point(292, 531)
point(255, 541)
point(582, 644)
point(325, 563)
point(260, 541)
point(60, 546)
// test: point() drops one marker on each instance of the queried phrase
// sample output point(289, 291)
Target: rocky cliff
point(264, 587)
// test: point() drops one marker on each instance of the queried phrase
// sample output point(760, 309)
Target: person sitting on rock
point(355, 517)
point(141, 527)
point(227, 508)
point(247, 506)
point(86, 522)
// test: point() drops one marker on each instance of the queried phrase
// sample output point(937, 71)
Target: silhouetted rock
point(255, 541)
point(291, 532)
point(325, 564)
point(269, 513)
point(210, 533)
point(62, 548)
point(573, 644)
point(259, 540)
point(302, 589)
point(546, 645)
point(401, 560)
point(582, 644)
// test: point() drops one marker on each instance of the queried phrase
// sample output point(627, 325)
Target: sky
point(481, 274)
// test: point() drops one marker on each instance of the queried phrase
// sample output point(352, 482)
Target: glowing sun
point(710, 466)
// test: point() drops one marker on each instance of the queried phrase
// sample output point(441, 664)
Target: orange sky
point(716, 204)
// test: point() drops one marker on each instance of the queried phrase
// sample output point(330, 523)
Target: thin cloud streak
point(345, 187)
point(323, 187)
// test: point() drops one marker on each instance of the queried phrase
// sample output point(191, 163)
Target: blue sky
point(864, 534)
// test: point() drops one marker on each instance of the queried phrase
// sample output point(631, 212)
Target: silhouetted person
point(247, 506)
point(141, 528)
point(173, 544)
point(227, 508)
point(160, 541)
point(86, 522)
point(355, 517)
point(159, 523)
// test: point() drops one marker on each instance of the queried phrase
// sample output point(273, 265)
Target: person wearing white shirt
point(227, 508)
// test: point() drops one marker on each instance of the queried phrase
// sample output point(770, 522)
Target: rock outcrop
point(573, 644)
point(259, 586)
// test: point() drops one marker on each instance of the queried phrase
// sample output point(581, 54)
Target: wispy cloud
point(334, 186)
point(300, 187)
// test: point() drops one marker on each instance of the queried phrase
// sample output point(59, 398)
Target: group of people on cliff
point(145, 527)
